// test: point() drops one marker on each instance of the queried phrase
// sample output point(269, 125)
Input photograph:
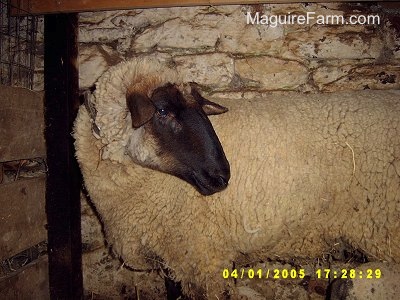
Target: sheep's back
point(311, 169)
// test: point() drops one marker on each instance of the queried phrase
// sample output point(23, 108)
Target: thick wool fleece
point(138, 75)
point(307, 171)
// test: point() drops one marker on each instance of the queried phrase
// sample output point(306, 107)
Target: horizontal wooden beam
point(65, 6)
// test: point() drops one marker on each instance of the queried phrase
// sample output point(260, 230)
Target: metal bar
point(32, 45)
point(2, 9)
point(10, 57)
point(63, 178)
point(18, 38)
point(17, 56)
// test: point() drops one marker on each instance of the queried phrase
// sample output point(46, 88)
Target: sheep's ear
point(141, 108)
point(210, 108)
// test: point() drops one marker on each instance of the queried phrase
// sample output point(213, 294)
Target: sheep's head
point(173, 134)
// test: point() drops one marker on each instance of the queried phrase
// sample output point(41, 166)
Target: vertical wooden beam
point(64, 179)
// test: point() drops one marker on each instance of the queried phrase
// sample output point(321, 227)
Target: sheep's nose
point(222, 177)
point(223, 180)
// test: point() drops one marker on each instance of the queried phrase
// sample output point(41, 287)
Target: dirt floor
point(105, 277)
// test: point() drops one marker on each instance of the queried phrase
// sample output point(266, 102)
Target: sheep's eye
point(162, 112)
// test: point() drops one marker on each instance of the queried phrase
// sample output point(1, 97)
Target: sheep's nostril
point(223, 181)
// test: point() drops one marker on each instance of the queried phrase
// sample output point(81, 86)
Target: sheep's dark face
point(174, 135)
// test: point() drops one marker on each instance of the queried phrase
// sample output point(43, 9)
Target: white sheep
point(306, 170)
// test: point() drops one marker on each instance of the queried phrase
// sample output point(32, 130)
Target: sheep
point(306, 171)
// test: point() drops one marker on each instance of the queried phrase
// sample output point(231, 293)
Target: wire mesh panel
point(17, 46)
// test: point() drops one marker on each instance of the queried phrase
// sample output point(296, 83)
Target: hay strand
point(354, 160)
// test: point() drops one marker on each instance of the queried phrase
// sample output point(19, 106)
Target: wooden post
point(64, 179)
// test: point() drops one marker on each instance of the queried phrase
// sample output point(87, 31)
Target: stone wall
point(213, 46)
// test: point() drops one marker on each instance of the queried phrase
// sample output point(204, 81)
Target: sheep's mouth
point(208, 186)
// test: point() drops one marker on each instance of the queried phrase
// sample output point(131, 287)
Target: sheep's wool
point(137, 75)
point(310, 173)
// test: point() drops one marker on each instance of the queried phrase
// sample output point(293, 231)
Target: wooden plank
point(22, 215)
point(63, 177)
point(21, 124)
point(59, 6)
point(29, 282)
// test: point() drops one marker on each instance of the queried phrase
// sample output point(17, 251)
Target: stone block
point(357, 77)
point(94, 60)
point(213, 70)
point(177, 36)
point(335, 42)
point(268, 73)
